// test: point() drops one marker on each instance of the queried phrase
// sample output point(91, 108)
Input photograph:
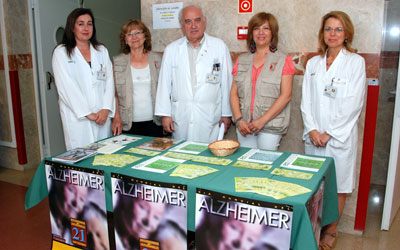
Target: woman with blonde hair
point(333, 96)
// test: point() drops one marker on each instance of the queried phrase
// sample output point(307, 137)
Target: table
point(302, 236)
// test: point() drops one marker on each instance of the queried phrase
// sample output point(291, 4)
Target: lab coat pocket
point(340, 84)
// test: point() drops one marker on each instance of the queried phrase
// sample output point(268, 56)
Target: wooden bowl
point(223, 147)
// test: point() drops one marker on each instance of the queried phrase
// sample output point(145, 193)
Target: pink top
point(288, 69)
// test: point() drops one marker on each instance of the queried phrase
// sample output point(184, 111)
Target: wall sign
point(245, 6)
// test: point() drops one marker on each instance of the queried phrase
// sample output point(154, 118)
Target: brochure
point(292, 174)
point(190, 147)
point(260, 156)
point(252, 165)
point(140, 151)
point(159, 144)
point(115, 160)
point(158, 164)
point(303, 162)
point(191, 171)
point(121, 139)
point(104, 148)
point(75, 155)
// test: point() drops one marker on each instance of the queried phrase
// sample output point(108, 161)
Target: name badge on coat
point(101, 74)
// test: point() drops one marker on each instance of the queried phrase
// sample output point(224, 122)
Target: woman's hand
point(244, 128)
point(315, 138)
point(325, 137)
point(92, 116)
point(102, 116)
point(257, 125)
point(116, 125)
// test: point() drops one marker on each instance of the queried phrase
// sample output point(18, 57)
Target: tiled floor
point(30, 230)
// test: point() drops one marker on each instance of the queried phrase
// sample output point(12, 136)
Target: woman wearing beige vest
point(136, 77)
point(262, 86)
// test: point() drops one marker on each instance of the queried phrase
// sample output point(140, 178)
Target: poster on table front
point(77, 206)
point(314, 208)
point(228, 222)
point(149, 215)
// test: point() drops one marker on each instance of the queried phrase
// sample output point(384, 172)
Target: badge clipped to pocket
point(330, 91)
point(215, 75)
point(101, 74)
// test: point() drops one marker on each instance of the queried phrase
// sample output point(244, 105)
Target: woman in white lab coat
point(84, 80)
point(333, 95)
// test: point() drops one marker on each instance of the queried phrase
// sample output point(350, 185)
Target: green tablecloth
point(222, 181)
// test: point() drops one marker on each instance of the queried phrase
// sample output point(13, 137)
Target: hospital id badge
point(213, 78)
point(330, 91)
point(101, 75)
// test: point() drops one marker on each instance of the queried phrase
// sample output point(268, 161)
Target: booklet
point(104, 148)
point(190, 147)
point(75, 155)
point(121, 139)
point(158, 164)
point(159, 144)
point(303, 162)
point(260, 156)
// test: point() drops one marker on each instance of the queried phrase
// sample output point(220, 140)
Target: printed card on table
point(190, 147)
point(158, 164)
point(77, 205)
point(228, 222)
point(159, 144)
point(303, 162)
point(148, 214)
point(260, 156)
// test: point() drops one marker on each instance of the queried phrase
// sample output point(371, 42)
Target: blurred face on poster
point(238, 235)
point(98, 234)
point(146, 218)
point(75, 198)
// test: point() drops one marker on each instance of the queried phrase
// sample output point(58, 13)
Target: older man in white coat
point(194, 82)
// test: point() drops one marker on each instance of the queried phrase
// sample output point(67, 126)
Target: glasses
point(337, 30)
point(134, 33)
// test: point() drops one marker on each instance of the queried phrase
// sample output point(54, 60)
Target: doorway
point(48, 18)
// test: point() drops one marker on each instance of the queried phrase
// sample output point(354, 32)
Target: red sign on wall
point(245, 6)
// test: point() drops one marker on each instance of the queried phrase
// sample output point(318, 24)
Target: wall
point(20, 59)
point(299, 22)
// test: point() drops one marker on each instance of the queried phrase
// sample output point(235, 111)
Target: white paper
point(260, 156)
point(221, 131)
point(166, 16)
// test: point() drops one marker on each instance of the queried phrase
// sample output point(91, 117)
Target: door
point(392, 194)
point(49, 17)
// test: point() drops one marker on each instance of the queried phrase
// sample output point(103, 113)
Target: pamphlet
point(292, 174)
point(303, 162)
point(74, 155)
point(260, 156)
point(191, 171)
point(121, 139)
point(252, 165)
point(159, 144)
point(269, 187)
point(158, 164)
point(190, 147)
point(104, 148)
point(115, 160)
point(140, 151)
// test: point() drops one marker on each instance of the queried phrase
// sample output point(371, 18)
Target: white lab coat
point(80, 93)
point(195, 115)
point(337, 116)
